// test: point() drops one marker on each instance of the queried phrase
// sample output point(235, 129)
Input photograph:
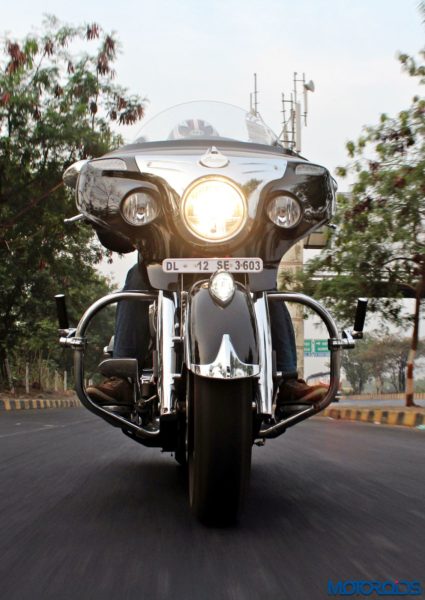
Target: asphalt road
point(86, 513)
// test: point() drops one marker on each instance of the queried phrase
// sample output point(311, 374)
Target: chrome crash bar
point(78, 343)
point(335, 350)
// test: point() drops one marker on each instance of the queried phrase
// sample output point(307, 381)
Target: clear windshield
point(209, 121)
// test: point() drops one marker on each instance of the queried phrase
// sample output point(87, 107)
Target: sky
point(173, 51)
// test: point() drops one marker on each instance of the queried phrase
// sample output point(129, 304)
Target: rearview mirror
point(70, 176)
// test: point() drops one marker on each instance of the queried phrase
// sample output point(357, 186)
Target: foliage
point(58, 102)
point(377, 359)
point(378, 248)
point(357, 371)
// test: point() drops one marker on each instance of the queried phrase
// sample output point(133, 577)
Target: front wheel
point(219, 447)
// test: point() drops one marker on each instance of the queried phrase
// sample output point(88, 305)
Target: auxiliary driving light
point(214, 210)
point(285, 211)
point(222, 287)
point(139, 208)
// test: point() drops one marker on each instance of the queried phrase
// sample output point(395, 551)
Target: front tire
point(219, 447)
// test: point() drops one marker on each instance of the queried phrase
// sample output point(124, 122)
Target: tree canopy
point(378, 247)
point(58, 103)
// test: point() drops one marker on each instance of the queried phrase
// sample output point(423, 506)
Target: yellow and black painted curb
point(38, 403)
point(379, 416)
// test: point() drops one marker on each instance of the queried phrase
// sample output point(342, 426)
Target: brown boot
point(296, 391)
point(112, 392)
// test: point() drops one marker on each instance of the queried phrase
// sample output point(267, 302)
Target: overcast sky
point(179, 50)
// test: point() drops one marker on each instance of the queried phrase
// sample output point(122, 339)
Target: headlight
point(214, 210)
point(284, 211)
point(222, 287)
point(139, 208)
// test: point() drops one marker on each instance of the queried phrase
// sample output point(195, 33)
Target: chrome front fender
point(221, 342)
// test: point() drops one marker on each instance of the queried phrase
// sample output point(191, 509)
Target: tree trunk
point(412, 353)
point(9, 376)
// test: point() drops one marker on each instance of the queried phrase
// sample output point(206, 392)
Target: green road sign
point(308, 345)
point(316, 348)
point(321, 346)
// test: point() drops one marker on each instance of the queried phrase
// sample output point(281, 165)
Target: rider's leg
point(283, 339)
point(292, 390)
point(131, 340)
point(132, 321)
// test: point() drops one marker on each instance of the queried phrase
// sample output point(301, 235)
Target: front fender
point(221, 342)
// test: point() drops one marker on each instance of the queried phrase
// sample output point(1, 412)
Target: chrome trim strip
point(166, 354)
point(265, 384)
point(226, 365)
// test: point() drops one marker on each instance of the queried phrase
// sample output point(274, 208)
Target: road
point(85, 513)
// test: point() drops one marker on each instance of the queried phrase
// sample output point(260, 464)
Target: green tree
point(356, 369)
point(378, 248)
point(382, 358)
point(58, 103)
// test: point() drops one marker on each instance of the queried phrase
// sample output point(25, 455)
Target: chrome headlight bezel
point(142, 197)
point(291, 207)
point(227, 186)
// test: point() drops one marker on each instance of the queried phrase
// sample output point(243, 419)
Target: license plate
point(211, 265)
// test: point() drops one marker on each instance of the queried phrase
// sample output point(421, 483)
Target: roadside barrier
point(408, 417)
point(38, 403)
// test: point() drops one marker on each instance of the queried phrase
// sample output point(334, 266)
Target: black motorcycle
point(212, 201)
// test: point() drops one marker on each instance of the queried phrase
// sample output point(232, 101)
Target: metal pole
point(255, 95)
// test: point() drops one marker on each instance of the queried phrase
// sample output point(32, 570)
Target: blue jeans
point(132, 328)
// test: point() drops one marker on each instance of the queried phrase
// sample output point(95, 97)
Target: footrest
point(287, 410)
point(126, 368)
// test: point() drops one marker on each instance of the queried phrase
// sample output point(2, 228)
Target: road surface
point(86, 513)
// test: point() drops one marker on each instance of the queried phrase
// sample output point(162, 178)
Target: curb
point(30, 403)
point(406, 418)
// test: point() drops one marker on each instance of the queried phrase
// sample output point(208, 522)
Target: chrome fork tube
point(265, 382)
point(165, 352)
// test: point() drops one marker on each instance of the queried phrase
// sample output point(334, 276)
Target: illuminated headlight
point(284, 211)
point(139, 208)
point(222, 287)
point(214, 210)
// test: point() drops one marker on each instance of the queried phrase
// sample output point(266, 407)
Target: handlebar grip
point(360, 315)
point(61, 311)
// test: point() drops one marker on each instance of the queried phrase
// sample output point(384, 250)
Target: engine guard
point(335, 364)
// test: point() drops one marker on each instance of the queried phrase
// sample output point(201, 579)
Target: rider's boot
point(294, 394)
point(113, 393)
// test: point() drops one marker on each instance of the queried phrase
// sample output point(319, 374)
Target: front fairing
point(167, 168)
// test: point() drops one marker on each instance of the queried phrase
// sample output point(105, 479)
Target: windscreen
point(207, 120)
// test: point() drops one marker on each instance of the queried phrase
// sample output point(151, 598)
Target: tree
point(58, 101)
point(382, 358)
point(357, 370)
point(378, 248)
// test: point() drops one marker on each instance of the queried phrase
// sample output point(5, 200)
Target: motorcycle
point(212, 201)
